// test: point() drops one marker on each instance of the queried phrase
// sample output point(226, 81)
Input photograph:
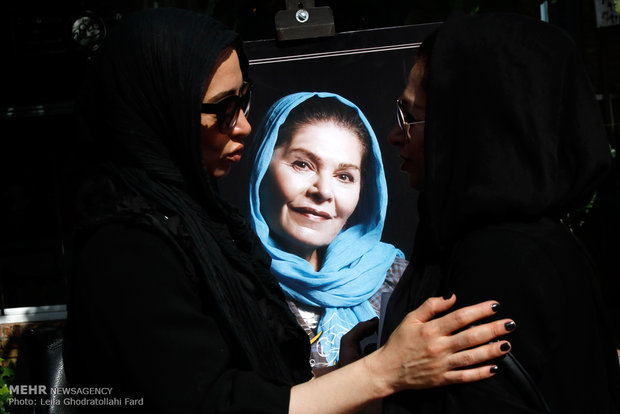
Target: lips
point(403, 166)
point(405, 162)
point(311, 212)
point(235, 156)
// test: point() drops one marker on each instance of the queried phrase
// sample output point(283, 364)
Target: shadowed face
point(312, 187)
point(414, 109)
point(220, 150)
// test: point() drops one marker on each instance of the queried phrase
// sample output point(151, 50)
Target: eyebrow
point(409, 108)
point(316, 159)
point(224, 94)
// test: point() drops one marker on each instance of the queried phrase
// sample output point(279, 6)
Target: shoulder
point(391, 280)
point(393, 275)
point(518, 243)
point(395, 271)
point(508, 241)
point(126, 242)
point(131, 257)
point(515, 261)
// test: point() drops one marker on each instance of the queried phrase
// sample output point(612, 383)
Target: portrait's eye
point(301, 165)
point(346, 177)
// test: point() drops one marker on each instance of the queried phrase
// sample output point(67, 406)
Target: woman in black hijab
point(513, 143)
point(173, 305)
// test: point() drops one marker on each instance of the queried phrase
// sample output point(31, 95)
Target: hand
point(424, 353)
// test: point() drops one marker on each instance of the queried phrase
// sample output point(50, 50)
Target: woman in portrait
point(318, 200)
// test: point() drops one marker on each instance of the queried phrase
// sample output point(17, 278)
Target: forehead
point(226, 76)
point(414, 93)
point(328, 141)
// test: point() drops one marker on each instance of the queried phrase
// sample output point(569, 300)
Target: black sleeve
point(545, 282)
point(513, 270)
point(142, 326)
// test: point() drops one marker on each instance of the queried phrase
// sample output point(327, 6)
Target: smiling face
point(312, 187)
point(414, 105)
point(220, 150)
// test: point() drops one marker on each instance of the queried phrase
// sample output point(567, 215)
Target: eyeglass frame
point(404, 125)
point(220, 107)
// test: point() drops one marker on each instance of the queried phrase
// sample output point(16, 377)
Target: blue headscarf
point(355, 262)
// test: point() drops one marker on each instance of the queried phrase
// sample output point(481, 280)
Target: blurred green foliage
point(7, 375)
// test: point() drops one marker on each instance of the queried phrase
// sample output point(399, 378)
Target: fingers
point(478, 355)
point(430, 308)
point(475, 356)
point(470, 375)
point(481, 334)
point(464, 317)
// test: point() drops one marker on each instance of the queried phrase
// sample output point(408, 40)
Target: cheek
point(347, 201)
point(415, 150)
point(277, 189)
point(208, 130)
point(212, 141)
point(213, 145)
point(288, 185)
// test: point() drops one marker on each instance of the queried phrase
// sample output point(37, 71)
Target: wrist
point(378, 374)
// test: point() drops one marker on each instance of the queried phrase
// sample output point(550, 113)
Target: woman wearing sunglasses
point(173, 304)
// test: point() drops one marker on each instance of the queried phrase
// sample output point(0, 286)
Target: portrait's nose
point(242, 128)
point(397, 136)
point(322, 188)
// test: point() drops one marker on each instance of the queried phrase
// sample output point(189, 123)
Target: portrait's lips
point(311, 212)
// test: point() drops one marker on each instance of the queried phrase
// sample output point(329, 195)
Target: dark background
point(42, 70)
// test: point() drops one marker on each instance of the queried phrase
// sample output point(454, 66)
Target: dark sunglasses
point(227, 110)
point(406, 121)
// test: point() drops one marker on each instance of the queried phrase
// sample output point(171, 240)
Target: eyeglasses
point(227, 110)
point(402, 115)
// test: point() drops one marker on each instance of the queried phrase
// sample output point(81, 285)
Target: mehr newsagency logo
point(41, 395)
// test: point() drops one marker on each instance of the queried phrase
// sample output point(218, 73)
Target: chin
point(303, 242)
point(219, 172)
point(416, 182)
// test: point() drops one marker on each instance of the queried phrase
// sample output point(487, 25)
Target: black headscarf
point(513, 131)
point(140, 115)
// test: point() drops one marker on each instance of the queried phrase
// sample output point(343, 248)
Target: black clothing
point(148, 192)
point(149, 329)
point(513, 142)
point(544, 281)
point(600, 233)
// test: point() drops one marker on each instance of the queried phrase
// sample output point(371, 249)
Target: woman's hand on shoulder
point(424, 352)
point(421, 353)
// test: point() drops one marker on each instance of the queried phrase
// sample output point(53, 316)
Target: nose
point(242, 128)
point(321, 189)
point(396, 136)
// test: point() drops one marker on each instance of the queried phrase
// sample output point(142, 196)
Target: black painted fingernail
point(496, 307)
point(505, 347)
point(446, 297)
point(510, 326)
point(494, 369)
